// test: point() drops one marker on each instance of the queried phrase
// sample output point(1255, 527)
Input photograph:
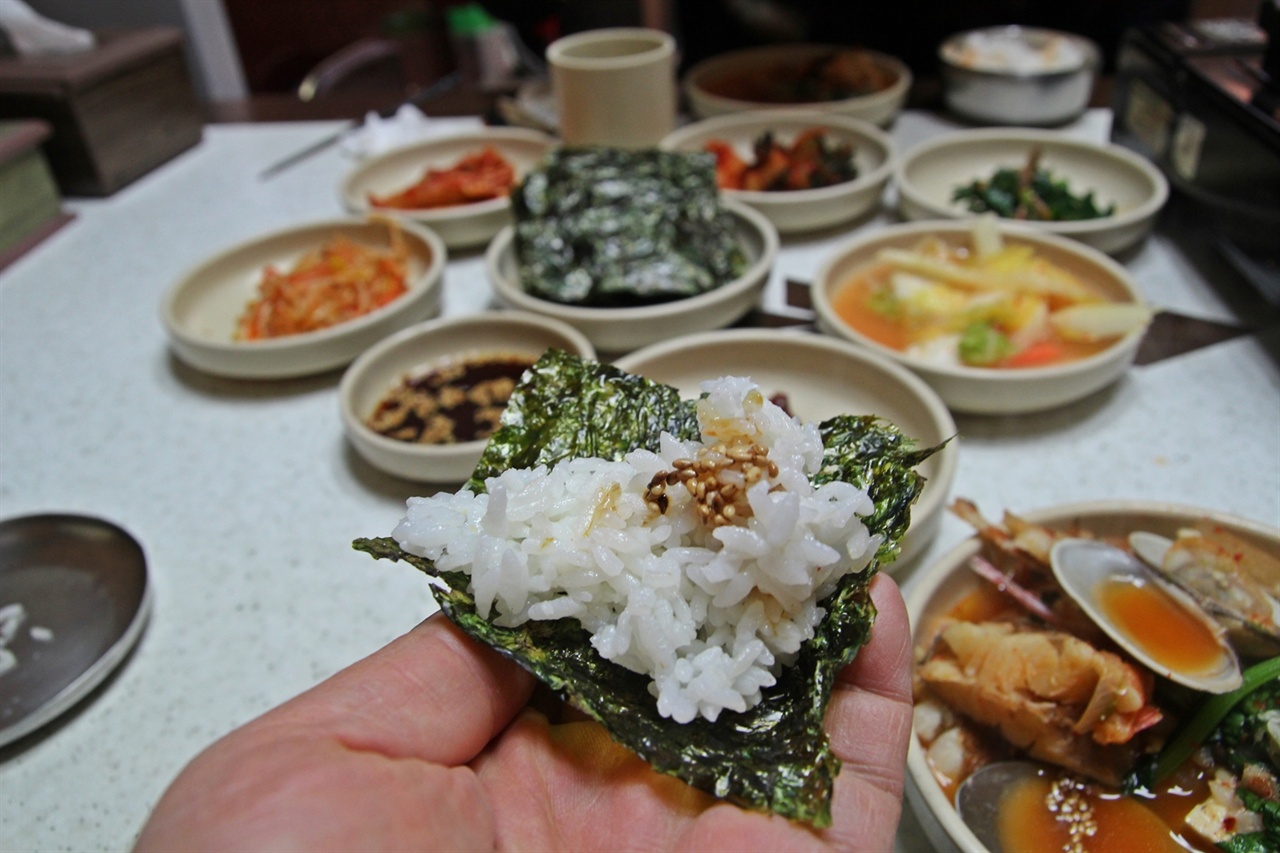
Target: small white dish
point(619, 330)
point(417, 350)
point(928, 175)
point(463, 225)
point(201, 310)
point(937, 588)
point(721, 83)
point(800, 210)
point(978, 390)
point(821, 378)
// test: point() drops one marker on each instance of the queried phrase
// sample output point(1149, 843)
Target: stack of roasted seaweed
point(606, 227)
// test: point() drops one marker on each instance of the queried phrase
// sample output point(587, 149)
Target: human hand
point(431, 743)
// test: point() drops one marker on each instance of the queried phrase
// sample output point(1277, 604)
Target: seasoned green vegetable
point(603, 226)
point(983, 344)
point(773, 757)
point(1029, 193)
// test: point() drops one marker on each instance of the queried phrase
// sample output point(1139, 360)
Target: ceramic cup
point(614, 87)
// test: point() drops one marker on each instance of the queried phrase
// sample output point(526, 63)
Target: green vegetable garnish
point(602, 226)
point(773, 757)
point(1201, 726)
point(1029, 193)
point(983, 345)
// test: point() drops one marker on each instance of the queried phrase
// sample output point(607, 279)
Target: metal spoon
point(978, 798)
point(74, 598)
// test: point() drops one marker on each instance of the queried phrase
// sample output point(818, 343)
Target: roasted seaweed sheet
point(775, 756)
point(607, 227)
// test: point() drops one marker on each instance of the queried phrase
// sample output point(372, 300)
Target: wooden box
point(117, 111)
point(30, 205)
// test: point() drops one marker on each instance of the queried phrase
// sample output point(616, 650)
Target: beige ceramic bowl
point(939, 587)
point(201, 311)
point(821, 377)
point(1018, 75)
point(619, 330)
point(928, 175)
point(800, 210)
point(421, 348)
point(465, 225)
point(989, 391)
point(709, 77)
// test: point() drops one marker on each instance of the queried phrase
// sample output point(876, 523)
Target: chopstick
point(436, 89)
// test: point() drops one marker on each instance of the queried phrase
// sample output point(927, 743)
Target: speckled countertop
point(246, 497)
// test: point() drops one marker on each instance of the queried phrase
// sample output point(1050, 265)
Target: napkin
point(408, 124)
point(31, 34)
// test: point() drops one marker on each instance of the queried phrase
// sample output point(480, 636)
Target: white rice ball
point(708, 610)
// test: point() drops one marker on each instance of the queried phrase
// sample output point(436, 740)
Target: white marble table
point(246, 497)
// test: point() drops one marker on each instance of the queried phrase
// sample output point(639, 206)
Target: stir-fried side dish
point(335, 283)
point(827, 77)
point(811, 160)
point(991, 304)
point(479, 176)
point(703, 577)
point(1025, 667)
point(608, 227)
point(1031, 193)
point(461, 400)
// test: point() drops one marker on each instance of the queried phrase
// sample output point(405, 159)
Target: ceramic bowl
point(620, 330)
point(201, 310)
point(938, 587)
point(727, 82)
point(417, 350)
point(464, 225)
point(1018, 75)
point(978, 390)
point(926, 177)
point(800, 210)
point(820, 377)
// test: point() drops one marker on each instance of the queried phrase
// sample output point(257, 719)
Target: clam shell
point(1082, 565)
point(1227, 597)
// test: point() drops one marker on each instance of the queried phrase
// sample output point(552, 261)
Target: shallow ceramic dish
point(463, 225)
point(705, 80)
point(1018, 75)
point(200, 312)
point(77, 597)
point(800, 210)
point(937, 588)
point(928, 175)
point(619, 330)
point(980, 390)
point(421, 348)
point(821, 378)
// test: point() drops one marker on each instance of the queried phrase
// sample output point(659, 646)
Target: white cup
point(614, 87)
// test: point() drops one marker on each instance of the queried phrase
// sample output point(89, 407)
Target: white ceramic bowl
point(937, 588)
point(800, 210)
point(821, 378)
point(418, 349)
point(926, 177)
point(463, 225)
point(704, 80)
point(619, 330)
point(980, 390)
point(1018, 75)
point(201, 310)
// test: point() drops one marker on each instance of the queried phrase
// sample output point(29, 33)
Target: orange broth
point(1155, 621)
point(854, 303)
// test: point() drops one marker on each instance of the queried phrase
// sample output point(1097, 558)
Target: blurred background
point(254, 51)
